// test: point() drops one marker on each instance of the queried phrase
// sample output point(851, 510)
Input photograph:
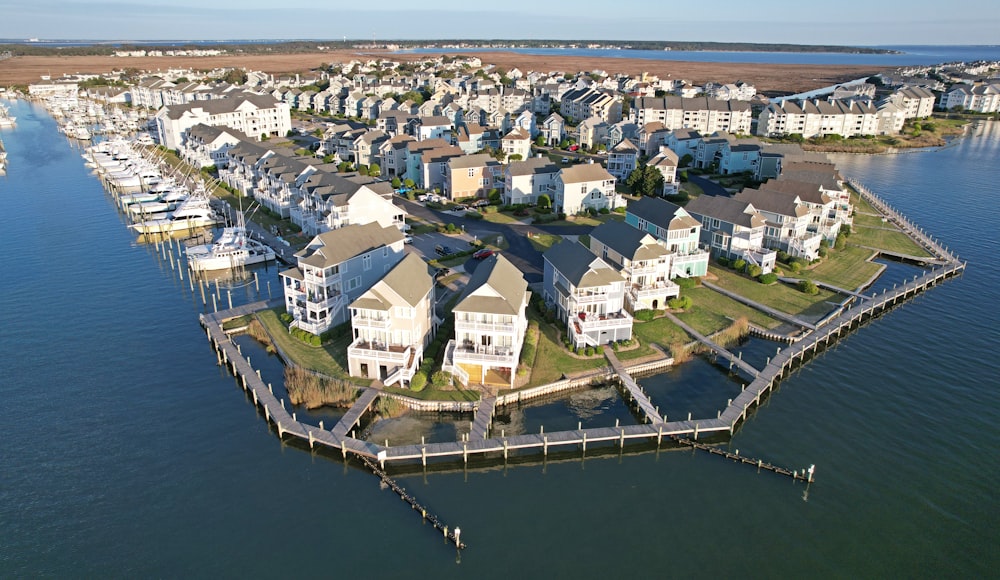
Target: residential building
point(471, 176)
point(587, 102)
point(665, 161)
point(585, 186)
point(392, 322)
point(490, 322)
point(703, 114)
point(825, 214)
point(329, 201)
point(916, 102)
point(675, 227)
point(525, 180)
point(334, 269)
point(587, 293)
point(208, 146)
point(732, 229)
point(553, 128)
point(641, 259)
point(516, 142)
point(254, 115)
point(622, 159)
point(788, 220)
point(683, 142)
point(816, 118)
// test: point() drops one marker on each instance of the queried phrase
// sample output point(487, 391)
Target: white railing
point(485, 327)
point(617, 321)
point(650, 291)
point(589, 298)
point(368, 322)
point(365, 350)
point(483, 354)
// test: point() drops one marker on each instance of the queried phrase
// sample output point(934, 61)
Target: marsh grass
point(313, 391)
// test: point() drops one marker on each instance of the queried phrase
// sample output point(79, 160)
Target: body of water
point(128, 452)
point(907, 55)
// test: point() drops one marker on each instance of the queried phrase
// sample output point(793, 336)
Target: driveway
point(709, 187)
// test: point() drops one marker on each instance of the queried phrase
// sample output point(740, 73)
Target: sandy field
point(768, 78)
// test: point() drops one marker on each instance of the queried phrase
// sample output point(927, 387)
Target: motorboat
point(234, 248)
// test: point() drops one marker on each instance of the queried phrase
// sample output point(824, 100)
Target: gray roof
point(805, 191)
point(585, 172)
point(410, 279)
point(496, 287)
point(773, 202)
point(662, 213)
point(532, 166)
point(581, 267)
point(224, 105)
point(472, 161)
point(727, 209)
point(628, 241)
point(338, 246)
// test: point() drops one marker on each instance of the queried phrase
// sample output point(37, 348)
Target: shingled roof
point(496, 287)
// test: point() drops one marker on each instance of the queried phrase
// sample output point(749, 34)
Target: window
point(367, 261)
point(715, 225)
point(354, 283)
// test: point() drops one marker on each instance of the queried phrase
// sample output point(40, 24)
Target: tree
point(409, 183)
point(686, 160)
point(374, 170)
point(235, 76)
point(540, 140)
point(515, 157)
point(396, 183)
point(544, 201)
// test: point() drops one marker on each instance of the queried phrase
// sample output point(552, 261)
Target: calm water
point(910, 55)
point(128, 452)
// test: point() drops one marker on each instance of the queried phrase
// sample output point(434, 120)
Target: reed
point(732, 334)
point(257, 332)
point(305, 388)
point(387, 408)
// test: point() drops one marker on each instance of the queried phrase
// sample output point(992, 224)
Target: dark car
point(442, 250)
point(441, 272)
point(482, 254)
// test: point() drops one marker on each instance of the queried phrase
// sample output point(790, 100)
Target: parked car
point(442, 250)
point(574, 147)
point(441, 272)
point(565, 159)
point(481, 203)
point(422, 197)
point(482, 254)
point(407, 239)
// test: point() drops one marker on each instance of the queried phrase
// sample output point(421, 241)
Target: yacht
point(193, 213)
point(234, 248)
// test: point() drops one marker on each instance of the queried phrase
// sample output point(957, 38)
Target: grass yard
point(778, 296)
point(692, 189)
point(860, 203)
point(586, 220)
point(552, 358)
point(845, 268)
point(329, 359)
point(542, 242)
point(712, 301)
point(661, 331)
point(893, 241)
point(499, 217)
point(432, 393)
point(871, 221)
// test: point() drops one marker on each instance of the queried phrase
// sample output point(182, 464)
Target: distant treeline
point(301, 46)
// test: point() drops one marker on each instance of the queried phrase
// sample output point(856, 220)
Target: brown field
point(784, 78)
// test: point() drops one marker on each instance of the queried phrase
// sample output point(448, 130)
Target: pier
point(748, 371)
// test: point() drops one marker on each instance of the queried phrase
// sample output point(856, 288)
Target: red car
point(482, 254)
point(574, 147)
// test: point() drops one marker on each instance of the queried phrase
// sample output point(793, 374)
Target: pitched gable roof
point(628, 241)
point(338, 246)
point(497, 287)
point(727, 209)
point(581, 267)
point(409, 281)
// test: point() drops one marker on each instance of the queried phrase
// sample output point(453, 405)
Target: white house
point(584, 186)
point(254, 115)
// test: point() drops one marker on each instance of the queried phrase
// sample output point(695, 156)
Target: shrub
point(808, 287)
point(645, 314)
point(739, 264)
point(783, 256)
point(409, 183)
point(589, 351)
point(841, 241)
point(679, 303)
point(723, 261)
point(285, 317)
point(451, 228)
point(753, 270)
point(396, 183)
point(418, 382)
point(795, 266)
point(769, 278)
point(823, 252)
point(605, 211)
point(473, 215)
point(440, 379)
point(686, 283)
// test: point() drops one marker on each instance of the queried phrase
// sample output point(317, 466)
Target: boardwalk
point(353, 415)
point(484, 418)
point(748, 371)
point(646, 407)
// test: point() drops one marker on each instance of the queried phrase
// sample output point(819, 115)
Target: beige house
point(470, 176)
point(392, 323)
point(584, 186)
point(490, 322)
point(516, 142)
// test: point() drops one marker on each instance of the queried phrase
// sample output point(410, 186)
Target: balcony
point(590, 298)
point(664, 289)
point(485, 327)
point(378, 351)
point(468, 352)
point(589, 322)
point(371, 322)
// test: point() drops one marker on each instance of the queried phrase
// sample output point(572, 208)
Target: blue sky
point(846, 22)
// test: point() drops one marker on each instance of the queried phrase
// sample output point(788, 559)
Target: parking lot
point(424, 244)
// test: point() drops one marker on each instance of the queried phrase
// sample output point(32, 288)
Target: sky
point(839, 22)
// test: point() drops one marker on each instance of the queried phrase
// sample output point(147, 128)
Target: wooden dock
point(484, 418)
point(744, 367)
point(772, 312)
point(650, 411)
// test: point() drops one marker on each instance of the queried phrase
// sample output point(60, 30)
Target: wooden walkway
point(635, 392)
point(772, 312)
point(353, 415)
point(830, 287)
point(747, 370)
point(484, 418)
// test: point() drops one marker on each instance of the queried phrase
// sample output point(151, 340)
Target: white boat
point(144, 197)
point(149, 208)
point(234, 248)
point(193, 213)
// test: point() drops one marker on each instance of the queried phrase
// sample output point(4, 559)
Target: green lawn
point(552, 358)
point(692, 189)
point(330, 359)
point(871, 221)
point(712, 301)
point(542, 242)
point(778, 296)
point(845, 268)
point(499, 217)
point(893, 241)
point(432, 393)
point(860, 203)
point(661, 331)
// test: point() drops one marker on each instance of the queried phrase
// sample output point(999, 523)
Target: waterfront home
point(916, 102)
point(392, 322)
point(702, 114)
point(665, 161)
point(334, 269)
point(641, 259)
point(328, 201)
point(675, 227)
point(587, 293)
point(471, 176)
point(788, 220)
point(525, 180)
point(255, 115)
point(490, 322)
point(981, 98)
point(816, 118)
point(622, 159)
point(732, 229)
point(209, 146)
point(585, 186)
point(826, 215)
point(775, 155)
